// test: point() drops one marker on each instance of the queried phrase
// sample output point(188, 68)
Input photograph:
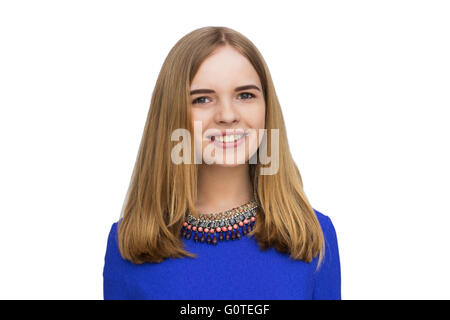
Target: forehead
point(225, 68)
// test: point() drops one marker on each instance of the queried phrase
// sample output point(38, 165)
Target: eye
point(198, 100)
point(248, 94)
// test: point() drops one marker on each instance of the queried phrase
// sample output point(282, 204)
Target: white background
point(365, 92)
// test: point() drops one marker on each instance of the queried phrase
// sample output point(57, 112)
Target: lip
point(232, 144)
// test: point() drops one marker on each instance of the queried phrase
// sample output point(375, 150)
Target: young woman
point(227, 220)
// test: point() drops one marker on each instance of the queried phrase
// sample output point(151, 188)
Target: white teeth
point(228, 138)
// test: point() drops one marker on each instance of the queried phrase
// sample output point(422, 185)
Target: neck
point(222, 188)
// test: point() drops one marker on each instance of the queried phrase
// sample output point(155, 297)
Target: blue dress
point(230, 270)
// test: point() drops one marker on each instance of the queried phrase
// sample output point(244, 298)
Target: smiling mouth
point(228, 138)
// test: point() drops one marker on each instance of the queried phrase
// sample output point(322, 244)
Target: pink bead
point(194, 228)
point(211, 230)
point(252, 219)
point(218, 229)
point(224, 229)
point(230, 228)
point(200, 229)
point(241, 223)
point(206, 230)
point(245, 221)
point(235, 226)
point(189, 227)
point(185, 224)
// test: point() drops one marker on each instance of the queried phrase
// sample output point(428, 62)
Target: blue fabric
point(231, 270)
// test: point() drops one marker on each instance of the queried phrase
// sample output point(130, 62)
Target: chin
point(224, 164)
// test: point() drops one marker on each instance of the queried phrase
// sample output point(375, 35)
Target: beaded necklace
point(225, 224)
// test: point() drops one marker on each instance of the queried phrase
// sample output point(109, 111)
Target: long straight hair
point(161, 192)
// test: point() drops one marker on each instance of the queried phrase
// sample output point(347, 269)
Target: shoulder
point(113, 231)
point(112, 256)
point(325, 223)
point(329, 232)
point(115, 270)
point(320, 216)
point(327, 280)
point(112, 236)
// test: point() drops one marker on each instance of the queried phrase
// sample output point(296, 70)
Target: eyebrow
point(250, 86)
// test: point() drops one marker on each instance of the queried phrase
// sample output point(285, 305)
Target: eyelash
point(252, 96)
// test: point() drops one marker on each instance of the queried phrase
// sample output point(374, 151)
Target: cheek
point(199, 121)
point(257, 117)
point(195, 116)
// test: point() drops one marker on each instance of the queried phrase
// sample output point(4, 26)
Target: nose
point(226, 113)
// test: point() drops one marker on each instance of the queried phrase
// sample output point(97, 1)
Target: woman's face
point(227, 108)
